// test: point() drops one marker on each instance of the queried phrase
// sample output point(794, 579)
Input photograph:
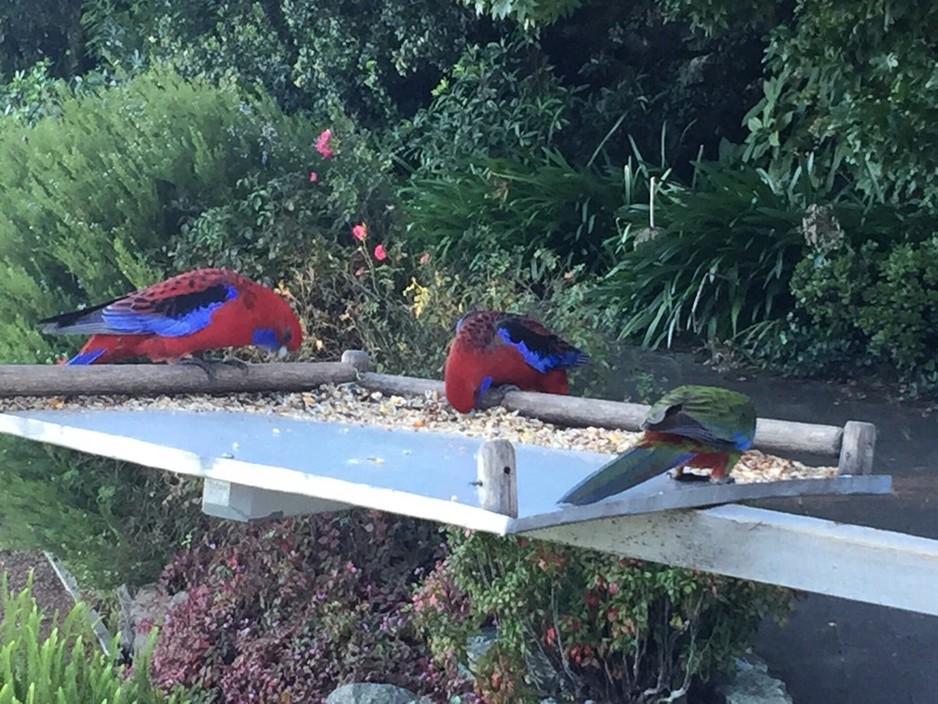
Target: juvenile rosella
point(494, 348)
point(193, 312)
point(702, 426)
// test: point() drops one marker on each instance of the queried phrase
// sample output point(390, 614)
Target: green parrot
point(702, 426)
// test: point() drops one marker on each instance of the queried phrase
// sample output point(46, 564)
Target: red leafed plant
point(288, 610)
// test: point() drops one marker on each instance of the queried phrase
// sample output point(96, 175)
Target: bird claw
point(503, 390)
point(722, 480)
point(237, 363)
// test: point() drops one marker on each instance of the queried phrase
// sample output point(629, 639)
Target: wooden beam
point(247, 503)
point(169, 379)
point(815, 555)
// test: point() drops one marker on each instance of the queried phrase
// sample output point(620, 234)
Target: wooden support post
point(358, 359)
point(497, 477)
point(857, 448)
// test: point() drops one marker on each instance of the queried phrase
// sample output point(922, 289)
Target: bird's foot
point(725, 479)
point(236, 363)
point(500, 392)
point(206, 366)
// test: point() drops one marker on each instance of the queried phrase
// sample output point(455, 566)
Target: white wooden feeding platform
point(257, 466)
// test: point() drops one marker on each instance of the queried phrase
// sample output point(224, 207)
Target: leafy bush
point(855, 83)
point(583, 624)
point(288, 610)
point(872, 305)
point(500, 206)
point(499, 101)
point(65, 666)
point(110, 521)
point(306, 55)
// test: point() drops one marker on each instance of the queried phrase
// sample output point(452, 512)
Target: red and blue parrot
point(193, 312)
point(492, 347)
point(702, 426)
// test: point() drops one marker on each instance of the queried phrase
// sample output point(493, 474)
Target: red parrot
point(200, 310)
point(492, 347)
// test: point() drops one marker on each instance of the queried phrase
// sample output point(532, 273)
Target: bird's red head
point(276, 328)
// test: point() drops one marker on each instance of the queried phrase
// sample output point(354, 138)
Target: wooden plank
point(169, 379)
point(246, 503)
point(848, 561)
point(572, 411)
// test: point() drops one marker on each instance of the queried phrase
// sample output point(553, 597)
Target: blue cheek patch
point(266, 338)
point(483, 387)
point(741, 441)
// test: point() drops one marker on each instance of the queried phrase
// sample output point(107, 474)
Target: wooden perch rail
point(158, 379)
point(853, 444)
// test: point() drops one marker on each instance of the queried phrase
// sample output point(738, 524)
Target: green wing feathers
point(709, 414)
point(706, 422)
point(633, 467)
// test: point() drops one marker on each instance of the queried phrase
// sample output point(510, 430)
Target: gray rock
point(139, 613)
point(369, 693)
point(754, 685)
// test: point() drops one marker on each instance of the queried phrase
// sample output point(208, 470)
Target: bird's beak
point(282, 352)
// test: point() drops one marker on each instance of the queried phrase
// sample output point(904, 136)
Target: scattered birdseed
point(349, 403)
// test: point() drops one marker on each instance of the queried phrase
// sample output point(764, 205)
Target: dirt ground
point(49, 593)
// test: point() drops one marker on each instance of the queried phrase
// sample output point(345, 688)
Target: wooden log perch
point(573, 411)
point(169, 379)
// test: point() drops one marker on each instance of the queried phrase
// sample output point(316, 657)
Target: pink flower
point(359, 232)
point(359, 271)
point(380, 253)
point(322, 143)
point(313, 177)
point(424, 258)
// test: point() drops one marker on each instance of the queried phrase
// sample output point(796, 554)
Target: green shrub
point(583, 624)
point(872, 305)
point(502, 206)
point(310, 56)
point(66, 666)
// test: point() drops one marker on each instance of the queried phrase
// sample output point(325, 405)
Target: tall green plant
point(66, 666)
point(719, 258)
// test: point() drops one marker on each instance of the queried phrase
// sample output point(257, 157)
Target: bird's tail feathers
point(87, 356)
point(629, 469)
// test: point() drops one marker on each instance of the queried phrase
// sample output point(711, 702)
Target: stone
point(754, 685)
point(371, 693)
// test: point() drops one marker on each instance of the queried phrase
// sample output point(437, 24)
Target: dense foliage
point(289, 610)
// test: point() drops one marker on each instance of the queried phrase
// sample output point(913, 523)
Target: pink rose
point(322, 143)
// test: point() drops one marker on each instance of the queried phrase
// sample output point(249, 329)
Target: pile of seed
point(349, 403)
